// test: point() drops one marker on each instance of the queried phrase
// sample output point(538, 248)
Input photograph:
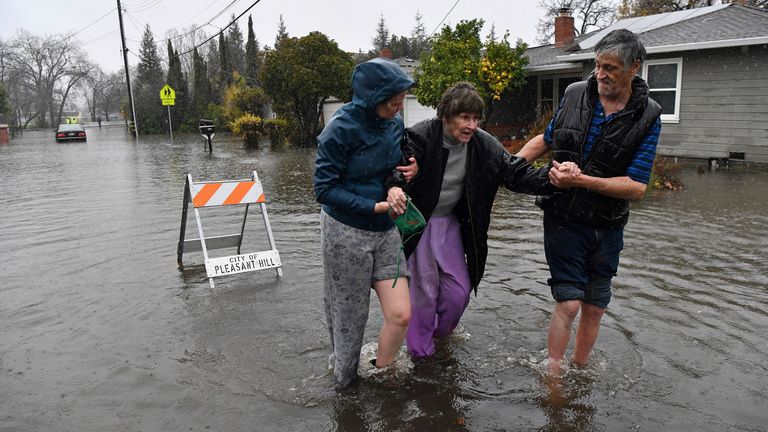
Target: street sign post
point(168, 97)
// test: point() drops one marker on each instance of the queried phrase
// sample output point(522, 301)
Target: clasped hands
point(564, 175)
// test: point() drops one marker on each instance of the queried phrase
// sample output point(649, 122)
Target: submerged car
point(70, 131)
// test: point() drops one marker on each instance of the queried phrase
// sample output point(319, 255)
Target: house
point(412, 113)
point(706, 67)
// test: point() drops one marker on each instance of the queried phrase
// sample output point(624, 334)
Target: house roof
point(702, 28)
point(407, 64)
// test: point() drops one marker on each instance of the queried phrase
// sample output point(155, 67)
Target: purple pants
point(439, 286)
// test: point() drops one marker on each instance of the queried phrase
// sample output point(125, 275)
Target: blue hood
point(377, 80)
point(358, 150)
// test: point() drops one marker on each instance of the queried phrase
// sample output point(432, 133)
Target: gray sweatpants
point(353, 259)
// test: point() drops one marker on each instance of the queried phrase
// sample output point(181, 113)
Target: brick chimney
point(386, 53)
point(564, 30)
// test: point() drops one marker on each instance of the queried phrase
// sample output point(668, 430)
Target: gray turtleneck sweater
point(453, 179)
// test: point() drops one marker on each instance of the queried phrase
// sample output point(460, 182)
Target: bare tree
point(113, 97)
point(49, 67)
point(588, 15)
point(92, 86)
point(635, 8)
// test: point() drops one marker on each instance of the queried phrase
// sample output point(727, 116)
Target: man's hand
point(409, 171)
point(564, 175)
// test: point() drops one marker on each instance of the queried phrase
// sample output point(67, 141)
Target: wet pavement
point(99, 329)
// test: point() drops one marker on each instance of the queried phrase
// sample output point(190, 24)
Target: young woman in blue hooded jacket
point(358, 183)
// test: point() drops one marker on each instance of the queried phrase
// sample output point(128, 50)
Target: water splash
point(397, 372)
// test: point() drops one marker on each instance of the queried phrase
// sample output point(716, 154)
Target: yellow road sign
point(167, 95)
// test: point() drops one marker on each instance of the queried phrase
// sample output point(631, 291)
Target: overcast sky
point(351, 23)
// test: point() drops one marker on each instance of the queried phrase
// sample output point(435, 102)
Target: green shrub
point(277, 130)
point(248, 127)
point(215, 112)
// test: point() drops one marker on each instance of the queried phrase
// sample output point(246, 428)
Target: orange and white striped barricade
point(224, 193)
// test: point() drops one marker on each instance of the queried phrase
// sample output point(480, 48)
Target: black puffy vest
point(611, 154)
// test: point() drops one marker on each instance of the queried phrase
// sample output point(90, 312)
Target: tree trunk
point(32, 117)
point(64, 98)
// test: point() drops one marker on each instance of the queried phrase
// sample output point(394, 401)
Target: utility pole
point(127, 74)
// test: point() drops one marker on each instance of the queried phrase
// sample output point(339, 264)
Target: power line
point(141, 3)
point(441, 21)
point(199, 13)
point(135, 23)
point(208, 22)
point(149, 4)
point(220, 32)
point(94, 22)
point(97, 38)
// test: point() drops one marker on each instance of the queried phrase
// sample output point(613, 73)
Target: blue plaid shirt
point(642, 164)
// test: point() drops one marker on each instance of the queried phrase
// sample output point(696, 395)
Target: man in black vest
point(609, 127)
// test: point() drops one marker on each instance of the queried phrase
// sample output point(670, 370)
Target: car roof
point(70, 126)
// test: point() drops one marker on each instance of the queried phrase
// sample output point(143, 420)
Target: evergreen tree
point(400, 46)
point(419, 40)
point(492, 33)
point(212, 66)
point(180, 111)
point(201, 87)
point(253, 56)
point(225, 76)
point(381, 40)
point(235, 48)
point(282, 33)
point(149, 80)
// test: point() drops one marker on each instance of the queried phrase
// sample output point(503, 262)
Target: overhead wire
point(442, 20)
point(135, 23)
point(221, 31)
point(146, 7)
point(208, 23)
point(200, 13)
point(94, 22)
point(97, 38)
point(138, 4)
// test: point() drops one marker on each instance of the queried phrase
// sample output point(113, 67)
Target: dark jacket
point(489, 166)
point(611, 154)
point(357, 150)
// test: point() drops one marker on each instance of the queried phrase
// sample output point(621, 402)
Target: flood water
point(100, 330)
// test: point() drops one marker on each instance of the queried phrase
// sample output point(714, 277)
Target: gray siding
point(724, 105)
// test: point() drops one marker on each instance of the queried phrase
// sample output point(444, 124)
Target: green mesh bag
point(410, 223)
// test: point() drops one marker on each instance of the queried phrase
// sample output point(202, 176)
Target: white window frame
point(675, 117)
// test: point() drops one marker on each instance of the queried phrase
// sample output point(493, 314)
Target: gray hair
point(623, 44)
point(462, 97)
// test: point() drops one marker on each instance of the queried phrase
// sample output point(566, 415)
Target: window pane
point(666, 99)
point(662, 76)
point(546, 89)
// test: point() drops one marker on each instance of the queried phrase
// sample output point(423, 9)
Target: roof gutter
point(552, 67)
point(725, 43)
